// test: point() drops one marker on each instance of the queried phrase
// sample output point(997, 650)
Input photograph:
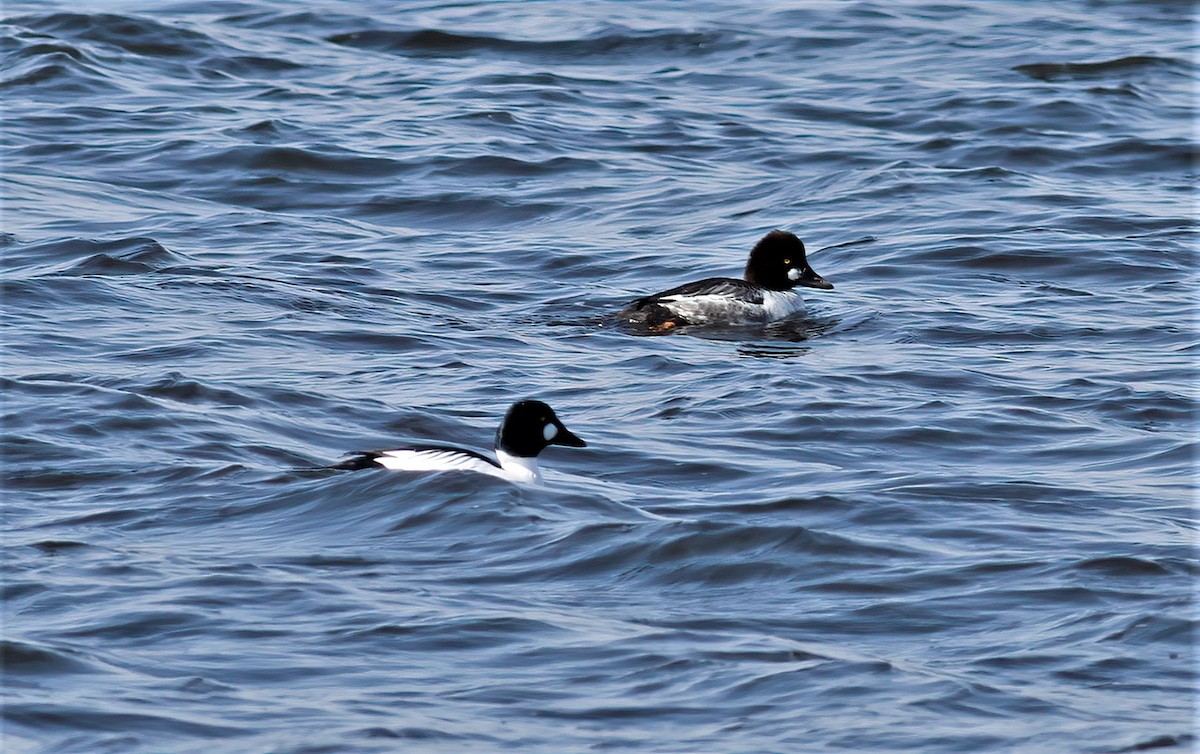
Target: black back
point(738, 290)
point(357, 461)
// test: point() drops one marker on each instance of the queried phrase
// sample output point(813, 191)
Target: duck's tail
point(362, 459)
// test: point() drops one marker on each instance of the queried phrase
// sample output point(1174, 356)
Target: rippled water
point(948, 509)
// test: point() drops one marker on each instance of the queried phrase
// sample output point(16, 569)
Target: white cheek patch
point(793, 274)
point(549, 432)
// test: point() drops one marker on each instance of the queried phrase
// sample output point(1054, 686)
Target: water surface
point(950, 508)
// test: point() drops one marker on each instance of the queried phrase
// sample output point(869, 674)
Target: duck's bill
point(568, 438)
point(810, 279)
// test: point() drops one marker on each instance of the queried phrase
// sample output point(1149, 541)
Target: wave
point(603, 46)
point(1105, 68)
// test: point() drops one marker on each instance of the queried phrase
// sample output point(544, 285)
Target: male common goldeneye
point(528, 428)
point(777, 264)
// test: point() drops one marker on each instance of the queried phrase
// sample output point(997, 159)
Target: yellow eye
point(787, 261)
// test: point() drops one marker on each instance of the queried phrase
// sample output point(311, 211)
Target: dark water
point(949, 509)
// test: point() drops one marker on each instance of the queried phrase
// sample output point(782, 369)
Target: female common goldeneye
point(777, 265)
point(528, 428)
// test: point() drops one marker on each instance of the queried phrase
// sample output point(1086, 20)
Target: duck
point(777, 265)
point(528, 428)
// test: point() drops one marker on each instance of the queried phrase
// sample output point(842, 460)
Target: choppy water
point(949, 509)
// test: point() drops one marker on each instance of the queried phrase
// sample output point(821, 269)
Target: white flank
point(713, 308)
point(433, 460)
point(512, 468)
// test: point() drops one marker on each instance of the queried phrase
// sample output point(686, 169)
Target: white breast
point(519, 469)
point(779, 304)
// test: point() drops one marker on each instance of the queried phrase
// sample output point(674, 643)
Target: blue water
point(950, 508)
